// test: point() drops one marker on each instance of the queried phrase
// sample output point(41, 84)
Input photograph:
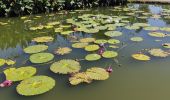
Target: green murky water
point(130, 80)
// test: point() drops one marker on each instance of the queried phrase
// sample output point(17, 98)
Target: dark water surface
point(133, 80)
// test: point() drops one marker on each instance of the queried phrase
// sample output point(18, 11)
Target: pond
point(143, 78)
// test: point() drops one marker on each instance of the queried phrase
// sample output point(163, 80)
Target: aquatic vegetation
point(113, 41)
point(91, 47)
point(66, 32)
point(62, 50)
point(109, 54)
point(87, 40)
point(92, 57)
point(79, 45)
point(6, 83)
point(35, 48)
point(133, 27)
point(157, 34)
point(100, 41)
point(97, 73)
point(140, 56)
point(2, 62)
point(65, 66)
point(18, 74)
point(78, 78)
point(43, 39)
point(136, 39)
point(166, 45)
point(113, 33)
point(35, 85)
point(8, 62)
point(151, 28)
point(158, 52)
point(41, 57)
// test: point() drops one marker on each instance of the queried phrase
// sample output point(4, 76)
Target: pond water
point(130, 80)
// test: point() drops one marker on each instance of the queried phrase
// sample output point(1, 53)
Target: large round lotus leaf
point(140, 56)
point(92, 57)
point(41, 57)
point(2, 62)
point(100, 41)
point(35, 48)
point(141, 24)
point(113, 33)
point(113, 41)
point(151, 28)
point(92, 47)
point(158, 53)
point(87, 40)
point(78, 78)
point(66, 32)
point(96, 73)
point(157, 34)
point(109, 54)
point(132, 27)
point(166, 45)
point(165, 29)
point(101, 27)
point(79, 45)
point(35, 85)
point(18, 74)
point(63, 51)
point(91, 30)
point(43, 39)
point(136, 39)
point(65, 66)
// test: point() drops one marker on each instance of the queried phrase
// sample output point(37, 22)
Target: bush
point(23, 7)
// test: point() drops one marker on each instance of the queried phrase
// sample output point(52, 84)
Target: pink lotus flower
point(6, 83)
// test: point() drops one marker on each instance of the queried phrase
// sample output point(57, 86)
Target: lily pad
point(151, 28)
point(91, 47)
point(35, 85)
point(157, 34)
point(41, 57)
point(65, 66)
point(2, 62)
point(158, 52)
point(113, 41)
point(166, 45)
point(63, 51)
point(92, 57)
point(100, 41)
point(43, 39)
point(18, 74)
point(132, 27)
point(87, 40)
point(78, 78)
point(110, 54)
point(141, 57)
point(113, 33)
point(35, 48)
point(79, 45)
point(66, 32)
point(136, 39)
point(96, 73)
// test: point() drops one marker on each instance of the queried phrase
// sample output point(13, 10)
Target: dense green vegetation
point(22, 7)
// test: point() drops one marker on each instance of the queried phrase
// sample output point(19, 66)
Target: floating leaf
point(113, 33)
point(18, 74)
point(113, 41)
point(109, 54)
point(140, 56)
point(100, 41)
point(35, 85)
point(151, 28)
point(35, 48)
point(157, 34)
point(87, 40)
point(78, 78)
point(10, 62)
point(136, 39)
point(166, 45)
point(96, 73)
point(2, 62)
point(65, 66)
point(165, 29)
point(66, 32)
point(92, 57)
point(158, 53)
point(91, 47)
point(43, 39)
point(79, 45)
point(63, 51)
point(41, 57)
point(132, 27)
point(91, 30)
